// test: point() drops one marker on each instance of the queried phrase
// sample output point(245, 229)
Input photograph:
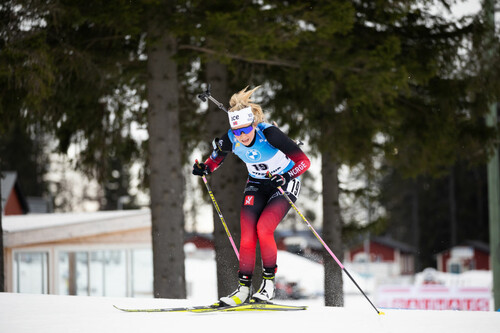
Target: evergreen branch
point(238, 57)
point(91, 42)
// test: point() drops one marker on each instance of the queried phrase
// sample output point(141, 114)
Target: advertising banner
point(434, 297)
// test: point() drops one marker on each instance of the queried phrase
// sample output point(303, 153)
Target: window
point(361, 257)
point(142, 273)
point(73, 273)
point(31, 272)
point(116, 273)
point(455, 266)
point(108, 273)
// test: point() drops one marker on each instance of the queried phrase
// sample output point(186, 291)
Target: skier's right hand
point(200, 169)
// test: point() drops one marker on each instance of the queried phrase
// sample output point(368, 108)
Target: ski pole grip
point(203, 96)
point(197, 163)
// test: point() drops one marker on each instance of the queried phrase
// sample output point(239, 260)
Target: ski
point(253, 306)
point(178, 309)
point(256, 306)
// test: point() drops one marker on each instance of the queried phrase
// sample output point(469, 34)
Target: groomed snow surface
point(25, 313)
point(63, 314)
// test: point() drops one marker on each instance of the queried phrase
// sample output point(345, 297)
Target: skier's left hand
point(279, 180)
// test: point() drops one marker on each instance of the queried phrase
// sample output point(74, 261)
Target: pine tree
point(64, 73)
point(166, 180)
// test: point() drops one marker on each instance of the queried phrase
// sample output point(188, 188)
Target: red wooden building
point(472, 255)
point(201, 241)
point(13, 201)
point(384, 250)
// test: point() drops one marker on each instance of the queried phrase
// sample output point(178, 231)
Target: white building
point(97, 254)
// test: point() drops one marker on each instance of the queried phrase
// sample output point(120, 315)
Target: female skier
point(272, 160)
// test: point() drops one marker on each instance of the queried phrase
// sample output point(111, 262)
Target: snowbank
point(466, 279)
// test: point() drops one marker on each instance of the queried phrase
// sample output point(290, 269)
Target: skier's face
point(246, 134)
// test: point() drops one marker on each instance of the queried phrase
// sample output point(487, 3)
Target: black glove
point(279, 180)
point(200, 169)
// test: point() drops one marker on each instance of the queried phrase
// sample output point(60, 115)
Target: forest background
point(393, 90)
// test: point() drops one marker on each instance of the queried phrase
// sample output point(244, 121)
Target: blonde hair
point(241, 100)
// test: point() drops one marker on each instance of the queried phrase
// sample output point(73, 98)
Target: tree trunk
point(453, 207)
point(227, 184)
point(479, 184)
point(2, 272)
point(166, 178)
point(415, 222)
point(332, 231)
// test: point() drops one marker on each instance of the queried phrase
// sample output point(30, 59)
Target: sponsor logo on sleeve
point(297, 169)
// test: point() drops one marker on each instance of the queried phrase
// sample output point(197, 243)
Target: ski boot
point(241, 294)
point(267, 289)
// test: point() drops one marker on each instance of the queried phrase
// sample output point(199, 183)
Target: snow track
point(23, 313)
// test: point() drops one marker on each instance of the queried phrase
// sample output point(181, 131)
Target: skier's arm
point(221, 147)
point(281, 141)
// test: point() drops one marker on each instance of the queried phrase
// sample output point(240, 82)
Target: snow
point(30, 313)
point(20, 313)
point(15, 223)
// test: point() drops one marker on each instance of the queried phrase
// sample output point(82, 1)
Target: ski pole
point(206, 94)
point(220, 213)
point(325, 245)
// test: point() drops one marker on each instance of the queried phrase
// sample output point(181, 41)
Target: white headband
point(240, 117)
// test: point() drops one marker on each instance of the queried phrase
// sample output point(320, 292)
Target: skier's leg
point(252, 205)
point(271, 216)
